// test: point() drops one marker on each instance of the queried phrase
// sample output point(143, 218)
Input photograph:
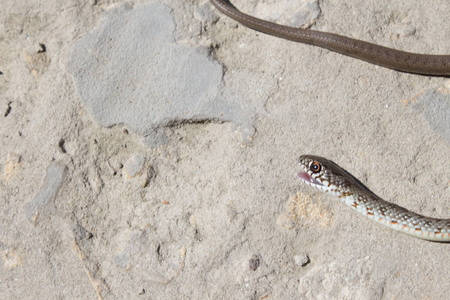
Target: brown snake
point(325, 175)
point(424, 64)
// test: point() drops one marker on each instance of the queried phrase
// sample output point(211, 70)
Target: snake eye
point(315, 167)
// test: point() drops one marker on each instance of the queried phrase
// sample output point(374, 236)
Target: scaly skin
point(424, 64)
point(327, 176)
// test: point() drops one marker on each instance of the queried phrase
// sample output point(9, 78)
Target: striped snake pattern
point(327, 176)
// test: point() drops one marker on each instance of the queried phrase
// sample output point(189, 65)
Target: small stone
point(7, 109)
point(301, 260)
point(134, 166)
point(81, 233)
point(254, 263)
point(139, 170)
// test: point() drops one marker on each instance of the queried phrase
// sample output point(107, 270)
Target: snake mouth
point(308, 178)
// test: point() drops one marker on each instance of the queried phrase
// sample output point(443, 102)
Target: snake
point(422, 64)
point(324, 174)
point(327, 176)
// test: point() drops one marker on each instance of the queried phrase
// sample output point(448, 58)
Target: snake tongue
point(308, 178)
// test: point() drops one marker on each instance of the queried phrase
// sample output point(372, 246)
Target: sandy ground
point(148, 151)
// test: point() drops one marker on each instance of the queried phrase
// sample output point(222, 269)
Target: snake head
point(323, 174)
point(327, 176)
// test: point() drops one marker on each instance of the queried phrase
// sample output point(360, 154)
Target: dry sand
point(148, 151)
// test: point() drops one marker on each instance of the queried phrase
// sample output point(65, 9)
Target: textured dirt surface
point(148, 151)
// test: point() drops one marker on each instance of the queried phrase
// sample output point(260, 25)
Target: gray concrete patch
point(132, 71)
point(435, 106)
point(48, 191)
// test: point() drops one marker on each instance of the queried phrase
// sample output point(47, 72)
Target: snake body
point(327, 176)
point(424, 64)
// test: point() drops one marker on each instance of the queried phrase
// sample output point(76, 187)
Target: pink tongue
point(308, 178)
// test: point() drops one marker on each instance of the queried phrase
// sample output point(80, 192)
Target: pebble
point(302, 260)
